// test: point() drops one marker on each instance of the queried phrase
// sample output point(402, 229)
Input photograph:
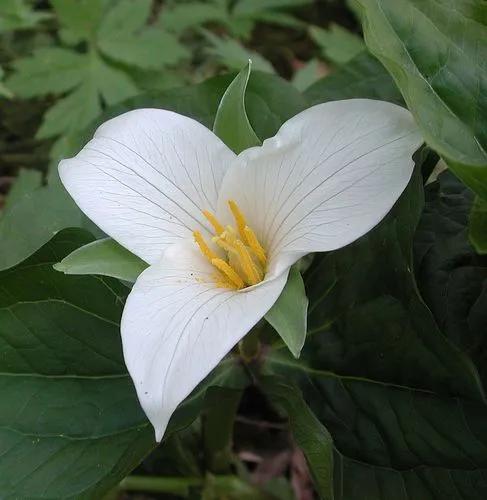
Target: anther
point(239, 218)
point(248, 265)
point(254, 244)
point(214, 222)
point(205, 249)
point(222, 266)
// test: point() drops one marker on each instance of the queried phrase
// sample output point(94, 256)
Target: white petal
point(329, 175)
point(177, 325)
point(146, 176)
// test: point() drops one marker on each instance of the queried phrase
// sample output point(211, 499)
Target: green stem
point(213, 486)
point(173, 485)
point(221, 408)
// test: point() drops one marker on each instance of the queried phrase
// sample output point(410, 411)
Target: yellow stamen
point(205, 249)
point(243, 261)
point(239, 218)
point(224, 243)
point(254, 244)
point(214, 222)
point(253, 276)
point(221, 265)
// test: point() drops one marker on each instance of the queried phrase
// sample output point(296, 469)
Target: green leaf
point(18, 15)
point(248, 7)
point(233, 55)
point(180, 17)
point(279, 19)
point(399, 396)
point(87, 77)
point(125, 16)
point(366, 318)
point(362, 77)
point(232, 125)
point(394, 441)
point(151, 49)
point(33, 221)
point(451, 275)
point(435, 50)
point(337, 44)
point(288, 316)
point(309, 433)
point(27, 181)
point(113, 84)
point(122, 37)
point(221, 405)
point(79, 19)
point(70, 423)
point(246, 13)
point(305, 76)
point(50, 70)
point(105, 257)
point(66, 395)
point(478, 225)
point(79, 108)
point(73, 112)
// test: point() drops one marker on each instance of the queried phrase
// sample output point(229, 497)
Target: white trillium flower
point(220, 231)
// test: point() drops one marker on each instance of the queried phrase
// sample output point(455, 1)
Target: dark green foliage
point(435, 51)
point(403, 404)
point(452, 277)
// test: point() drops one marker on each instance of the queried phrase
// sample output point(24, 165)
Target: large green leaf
point(435, 50)
point(366, 316)
point(33, 220)
point(69, 412)
point(400, 397)
point(363, 77)
point(395, 441)
point(27, 181)
point(70, 423)
point(451, 276)
point(232, 124)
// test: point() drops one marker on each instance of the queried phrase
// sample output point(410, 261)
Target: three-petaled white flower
point(220, 231)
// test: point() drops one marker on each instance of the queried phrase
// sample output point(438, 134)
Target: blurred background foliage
point(62, 62)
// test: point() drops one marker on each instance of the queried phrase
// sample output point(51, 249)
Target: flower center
point(241, 260)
